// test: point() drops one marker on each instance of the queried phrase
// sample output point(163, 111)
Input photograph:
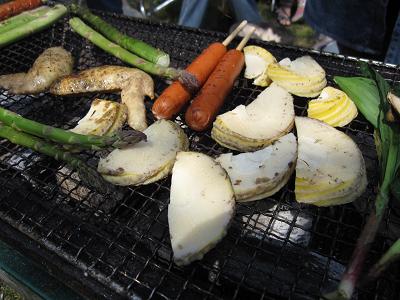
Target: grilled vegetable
point(134, 84)
point(148, 161)
point(52, 64)
point(103, 118)
point(302, 77)
point(133, 97)
point(333, 107)
point(205, 106)
point(174, 97)
point(252, 127)
point(38, 24)
point(201, 206)
point(260, 174)
point(67, 137)
point(86, 173)
point(330, 168)
point(15, 7)
point(101, 79)
point(82, 29)
point(22, 18)
point(257, 61)
point(142, 49)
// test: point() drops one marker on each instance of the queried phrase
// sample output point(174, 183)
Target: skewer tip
point(245, 39)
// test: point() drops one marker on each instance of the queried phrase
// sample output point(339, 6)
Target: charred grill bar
point(119, 246)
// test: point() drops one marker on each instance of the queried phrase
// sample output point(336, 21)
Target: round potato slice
point(259, 174)
point(201, 206)
point(330, 169)
point(252, 127)
point(146, 161)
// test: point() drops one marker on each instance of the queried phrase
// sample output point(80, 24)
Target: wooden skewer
point(245, 40)
point(234, 33)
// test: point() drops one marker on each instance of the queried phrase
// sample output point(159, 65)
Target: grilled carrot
point(176, 96)
point(12, 8)
point(205, 106)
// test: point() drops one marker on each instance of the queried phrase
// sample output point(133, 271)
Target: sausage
point(12, 8)
point(174, 97)
point(205, 106)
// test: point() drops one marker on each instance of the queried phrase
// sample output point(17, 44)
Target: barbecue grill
point(119, 246)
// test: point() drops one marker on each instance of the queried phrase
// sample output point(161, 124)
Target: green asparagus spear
point(133, 45)
point(66, 137)
point(86, 173)
point(22, 18)
point(38, 24)
point(187, 79)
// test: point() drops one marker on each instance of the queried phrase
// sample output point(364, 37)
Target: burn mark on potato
point(262, 180)
point(117, 172)
point(237, 182)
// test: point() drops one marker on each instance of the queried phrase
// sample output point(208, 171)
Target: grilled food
point(330, 168)
point(303, 76)
point(148, 161)
point(134, 85)
point(260, 174)
point(252, 127)
point(52, 64)
point(103, 118)
point(257, 61)
point(333, 107)
point(201, 206)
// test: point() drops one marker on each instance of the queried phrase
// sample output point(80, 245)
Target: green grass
point(7, 293)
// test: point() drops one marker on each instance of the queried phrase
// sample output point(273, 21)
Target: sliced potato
point(145, 162)
point(330, 169)
point(257, 60)
point(103, 118)
point(252, 127)
point(260, 174)
point(333, 107)
point(201, 206)
point(303, 76)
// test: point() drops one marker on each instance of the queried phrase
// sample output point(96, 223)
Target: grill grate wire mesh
point(274, 249)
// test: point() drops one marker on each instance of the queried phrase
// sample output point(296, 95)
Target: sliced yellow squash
point(303, 76)
point(333, 107)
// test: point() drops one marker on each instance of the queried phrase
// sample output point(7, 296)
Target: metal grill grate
point(274, 249)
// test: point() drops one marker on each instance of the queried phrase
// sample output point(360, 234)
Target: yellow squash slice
point(303, 76)
point(333, 107)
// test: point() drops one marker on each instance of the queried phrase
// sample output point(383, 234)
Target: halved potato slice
point(257, 60)
point(333, 107)
point(103, 118)
point(256, 175)
point(252, 127)
point(201, 206)
point(145, 162)
point(303, 77)
point(330, 169)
